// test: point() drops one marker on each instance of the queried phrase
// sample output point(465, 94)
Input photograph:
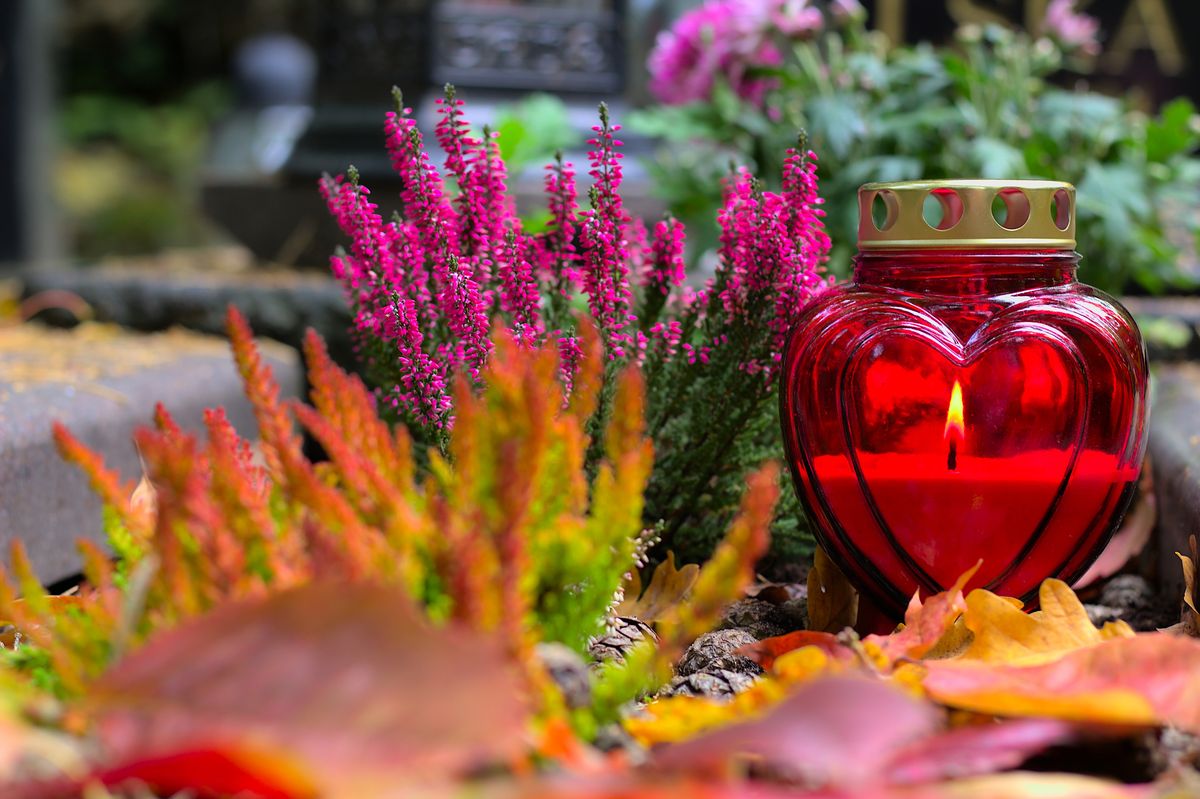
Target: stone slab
point(1175, 454)
point(102, 383)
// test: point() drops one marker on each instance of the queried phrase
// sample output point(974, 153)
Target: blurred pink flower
point(1075, 31)
point(721, 37)
point(796, 18)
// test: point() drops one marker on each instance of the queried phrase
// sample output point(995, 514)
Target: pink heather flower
point(463, 309)
point(423, 285)
point(481, 203)
point(519, 297)
point(773, 247)
point(570, 354)
point(726, 38)
point(556, 246)
point(604, 255)
point(665, 267)
point(666, 336)
point(424, 202)
point(1072, 29)
point(375, 284)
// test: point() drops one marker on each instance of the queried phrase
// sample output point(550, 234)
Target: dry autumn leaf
point(925, 624)
point(768, 650)
point(1188, 562)
point(1146, 680)
point(668, 587)
point(344, 678)
point(1003, 633)
point(850, 733)
point(832, 601)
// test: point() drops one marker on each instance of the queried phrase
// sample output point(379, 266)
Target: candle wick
point(952, 456)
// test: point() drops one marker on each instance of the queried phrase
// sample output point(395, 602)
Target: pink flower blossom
point(773, 248)
point(605, 255)
point(519, 297)
point(722, 38)
point(556, 246)
point(424, 286)
point(1072, 29)
point(380, 288)
point(570, 354)
point(665, 268)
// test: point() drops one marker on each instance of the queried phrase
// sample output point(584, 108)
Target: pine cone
point(623, 633)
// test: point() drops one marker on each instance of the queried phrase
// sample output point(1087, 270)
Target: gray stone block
point(101, 383)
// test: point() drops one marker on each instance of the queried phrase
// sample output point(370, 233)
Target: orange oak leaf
point(668, 587)
point(1146, 680)
point(1003, 633)
point(343, 678)
point(925, 624)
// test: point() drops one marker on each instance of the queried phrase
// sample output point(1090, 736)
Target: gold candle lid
point(1034, 214)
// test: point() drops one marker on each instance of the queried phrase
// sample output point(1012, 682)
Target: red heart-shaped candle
point(964, 398)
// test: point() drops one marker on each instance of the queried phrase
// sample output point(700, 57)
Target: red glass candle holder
point(964, 397)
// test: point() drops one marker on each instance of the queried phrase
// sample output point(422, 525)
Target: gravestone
point(495, 52)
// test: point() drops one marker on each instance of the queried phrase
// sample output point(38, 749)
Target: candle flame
point(954, 414)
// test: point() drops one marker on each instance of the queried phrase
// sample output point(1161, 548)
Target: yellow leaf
point(1146, 680)
point(832, 601)
point(1033, 785)
point(1003, 633)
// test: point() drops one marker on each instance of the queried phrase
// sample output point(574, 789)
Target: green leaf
point(1174, 132)
point(998, 159)
point(835, 124)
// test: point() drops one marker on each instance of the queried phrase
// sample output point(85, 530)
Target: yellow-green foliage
point(500, 533)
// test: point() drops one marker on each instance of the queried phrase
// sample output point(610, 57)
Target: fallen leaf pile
point(968, 685)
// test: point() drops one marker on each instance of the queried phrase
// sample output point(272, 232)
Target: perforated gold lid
point(1038, 214)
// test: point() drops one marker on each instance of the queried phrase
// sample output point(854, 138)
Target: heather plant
point(735, 76)
point(427, 285)
point(500, 534)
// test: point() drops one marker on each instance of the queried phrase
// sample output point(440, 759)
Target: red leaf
point(342, 677)
point(765, 652)
point(975, 750)
point(214, 773)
